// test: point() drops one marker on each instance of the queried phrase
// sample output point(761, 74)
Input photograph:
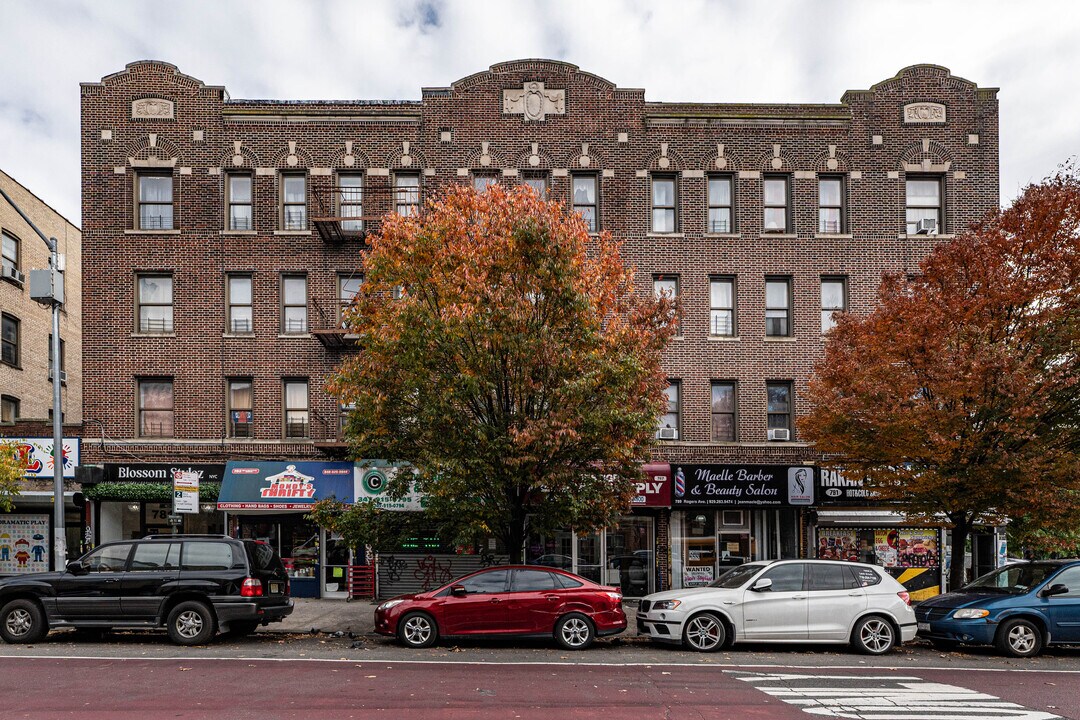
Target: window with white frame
point(722, 306)
point(155, 304)
point(923, 205)
point(721, 204)
point(833, 300)
point(668, 425)
point(238, 290)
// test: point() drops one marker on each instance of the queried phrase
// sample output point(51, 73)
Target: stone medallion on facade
point(534, 101)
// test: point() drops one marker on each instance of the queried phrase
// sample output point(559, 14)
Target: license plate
point(924, 627)
point(275, 588)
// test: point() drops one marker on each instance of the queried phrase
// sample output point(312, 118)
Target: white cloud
point(696, 50)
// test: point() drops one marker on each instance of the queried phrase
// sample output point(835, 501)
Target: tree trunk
point(961, 531)
point(514, 536)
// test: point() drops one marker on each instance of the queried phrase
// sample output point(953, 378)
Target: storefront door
point(336, 558)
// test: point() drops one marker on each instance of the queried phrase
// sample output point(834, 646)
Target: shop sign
point(24, 544)
point(834, 487)
point(185, 491)
point(35, 454)
point(284, 486)
point(159, 472)
point(655, 489)
point(697, 576)
point(371, 483)
point(743, 485)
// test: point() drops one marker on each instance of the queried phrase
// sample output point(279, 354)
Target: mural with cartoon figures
point(24, 544)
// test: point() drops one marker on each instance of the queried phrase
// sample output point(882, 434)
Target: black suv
point(193, 585)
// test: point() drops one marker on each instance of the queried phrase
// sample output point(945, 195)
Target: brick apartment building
point(222, 236)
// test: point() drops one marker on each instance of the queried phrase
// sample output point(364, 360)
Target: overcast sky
point(678, 50)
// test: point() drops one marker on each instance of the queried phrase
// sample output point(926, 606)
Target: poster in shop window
point(24, 544)
point(838, 544)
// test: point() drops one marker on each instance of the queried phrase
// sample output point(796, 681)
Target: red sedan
point(516, 600)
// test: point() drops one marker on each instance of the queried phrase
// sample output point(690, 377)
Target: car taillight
point(287, 588)
point(906, 597)
point(252, 587)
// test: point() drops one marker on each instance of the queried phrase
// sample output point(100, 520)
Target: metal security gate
point(400, 574)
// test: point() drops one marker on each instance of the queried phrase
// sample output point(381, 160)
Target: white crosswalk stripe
point(887, 697)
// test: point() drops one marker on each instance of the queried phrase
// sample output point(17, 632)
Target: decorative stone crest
point(154, 108)
point(924, 112)
point(534, 102)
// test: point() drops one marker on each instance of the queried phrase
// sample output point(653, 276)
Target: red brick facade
point(870, 139)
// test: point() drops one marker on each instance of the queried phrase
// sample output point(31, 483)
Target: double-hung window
point(721, 216)
point(406, 194)
point(156, 407)
point(9, 256)
point(351, 201)
point(831, 204)
point(239, 300)
point(723, 411)
point(664, 202)
point(722, 306)
point(833, 300)
point(240, 202)
point(294, 201)
point(240, 408)
point(9, 408)
point(482, 181)
point(923, 205)
point(538, 183)
point(348, 288)
point(584, 198)
point(155, 304)
point(296, 408)
point(668, 426)
point(777, 204)
point(294, 304)
point(778, 307)
point(154, 191)
point(9, 340)
point(779, 410)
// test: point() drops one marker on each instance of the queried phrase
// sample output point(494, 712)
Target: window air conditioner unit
point(63, 375)
point(780, 434)
point(926, 227)
point(667, 434)
point(14, 274)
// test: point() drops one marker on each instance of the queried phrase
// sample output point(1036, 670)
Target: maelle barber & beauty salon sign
point(742, 485)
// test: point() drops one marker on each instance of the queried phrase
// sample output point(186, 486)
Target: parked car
point(1020, 609)
point(193, 586)
point(789, 601)
point(520, 600)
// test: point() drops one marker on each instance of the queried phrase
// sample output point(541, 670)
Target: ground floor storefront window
point(706, 543)
point(911, 554)
point(119, 520)
point(623, 556)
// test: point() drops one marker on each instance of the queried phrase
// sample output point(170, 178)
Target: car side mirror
point(457, 590)
point(762, 585)
point(76, 567)
point(1055, 589)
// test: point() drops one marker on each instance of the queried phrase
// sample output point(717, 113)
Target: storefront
point(133, 500)
point(26, 532)
point(851, 524)
point(269, 500)
point(725, 515)
point(629, 555)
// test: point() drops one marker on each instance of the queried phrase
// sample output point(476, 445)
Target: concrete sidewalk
point(355, 616)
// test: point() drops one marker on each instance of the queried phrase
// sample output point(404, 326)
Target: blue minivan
point(1019, 609)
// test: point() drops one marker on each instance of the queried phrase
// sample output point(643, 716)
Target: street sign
point(185, 492)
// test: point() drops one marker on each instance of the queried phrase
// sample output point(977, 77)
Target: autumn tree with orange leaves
point(958, 395)
point(506, 356)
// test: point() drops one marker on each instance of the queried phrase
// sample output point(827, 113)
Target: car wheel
point(574, 631)
point(1019, 638)
point(239, 628)
point(22, 621)
point(417, 630)
point(704, 633)
point(191, 623)
point(874, 635)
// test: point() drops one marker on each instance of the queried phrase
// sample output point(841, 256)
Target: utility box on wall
point(47, 287)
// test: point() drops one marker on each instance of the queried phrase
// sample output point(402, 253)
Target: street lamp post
point(54, 297)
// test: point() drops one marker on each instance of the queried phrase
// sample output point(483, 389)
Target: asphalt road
point(272, 675)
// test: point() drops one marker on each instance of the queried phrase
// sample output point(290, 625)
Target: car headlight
point(389, 604)
point(970, 613)
point(666, 605)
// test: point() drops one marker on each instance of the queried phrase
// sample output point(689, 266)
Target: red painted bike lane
point(91, 689)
